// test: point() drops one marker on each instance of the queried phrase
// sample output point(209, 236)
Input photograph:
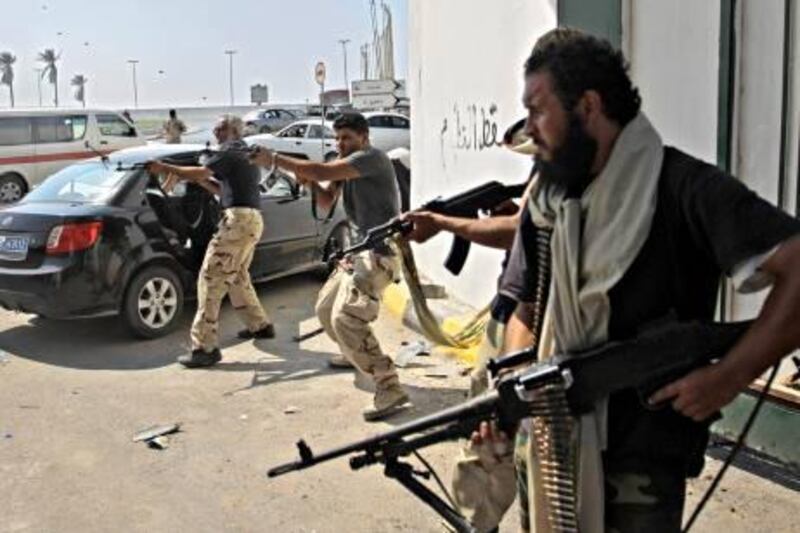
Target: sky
point(180, 46)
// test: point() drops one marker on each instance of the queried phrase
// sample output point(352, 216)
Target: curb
point(451, 315)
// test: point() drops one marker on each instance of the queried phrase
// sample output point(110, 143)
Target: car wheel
point(153, 302)
point(12, 188)
point(264, 129)
point(330, 156)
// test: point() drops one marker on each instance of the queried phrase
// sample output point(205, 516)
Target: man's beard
point(571, 165)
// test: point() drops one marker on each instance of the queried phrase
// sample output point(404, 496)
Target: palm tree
point(49, 58)
point(7, 61)
point(79, 82)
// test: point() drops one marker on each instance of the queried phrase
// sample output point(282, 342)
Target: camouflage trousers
point(646, 499)
point(346, 306)
point(484, 487)
point(225, 270)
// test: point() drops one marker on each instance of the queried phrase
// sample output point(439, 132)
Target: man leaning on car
point(227, 261)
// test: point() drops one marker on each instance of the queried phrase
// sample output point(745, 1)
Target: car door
point(113, 133)
point(290, 232)
point(17, 151)
point(321, 143)
point(401, 132)
point(292, 141)
point(59, 141)
point(380, 133)
point(284, 118)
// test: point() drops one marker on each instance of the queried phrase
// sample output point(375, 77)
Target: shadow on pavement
point(106, 343)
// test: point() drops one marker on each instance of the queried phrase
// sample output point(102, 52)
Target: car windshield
point(90, 183)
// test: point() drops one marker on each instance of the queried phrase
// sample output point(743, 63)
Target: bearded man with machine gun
point(639, 232)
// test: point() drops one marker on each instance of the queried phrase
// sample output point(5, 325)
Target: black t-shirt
point(237, 176)
point(706, 223)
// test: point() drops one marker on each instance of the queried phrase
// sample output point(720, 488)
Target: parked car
point(268, 120)
point(306, 139)
point(103, 237)
point(37, 143)
point(388, 130)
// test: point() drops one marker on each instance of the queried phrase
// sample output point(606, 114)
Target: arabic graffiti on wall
point(469, 128)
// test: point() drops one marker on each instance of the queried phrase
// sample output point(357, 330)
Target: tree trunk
point(11, 93)
point(55, 90)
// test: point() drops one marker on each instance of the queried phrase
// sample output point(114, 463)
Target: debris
point(306, 336)
point(4, 357)
point(291, 410)
point(465, 371)
point(434, 292)
point(439, 372)
point(409, 351)
point(156, 431)
point(158, 443)
point(243, 417)
point(8, 436)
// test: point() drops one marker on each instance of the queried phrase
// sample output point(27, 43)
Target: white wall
point(673, 49)
point(465, 63)
point(758, 114)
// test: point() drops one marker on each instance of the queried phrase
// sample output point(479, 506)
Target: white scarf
point(595, 240)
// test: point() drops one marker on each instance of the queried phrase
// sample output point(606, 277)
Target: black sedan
point(104, 237)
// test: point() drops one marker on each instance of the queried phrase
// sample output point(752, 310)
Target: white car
point(388, 131)
point(39, 142)
point(304, 139)
point(310, 139)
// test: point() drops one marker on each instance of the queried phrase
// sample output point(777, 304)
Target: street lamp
point(346, 81)
point(39, 83)
point(133, 63)
point(230, 54)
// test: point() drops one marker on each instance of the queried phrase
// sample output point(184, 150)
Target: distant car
point(36, 143)
point(305, 139)
point(103, 237)
point(268, 120)
point(388, 130)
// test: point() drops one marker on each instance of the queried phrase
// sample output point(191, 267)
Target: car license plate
point(13, 248)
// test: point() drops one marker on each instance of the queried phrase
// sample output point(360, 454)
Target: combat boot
point(388, 401)
point(267, 332)
point(200, 358)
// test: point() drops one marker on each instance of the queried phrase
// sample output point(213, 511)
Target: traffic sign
point(374, 101)
point(259, 94)
point(379, 87)
point(319, 73)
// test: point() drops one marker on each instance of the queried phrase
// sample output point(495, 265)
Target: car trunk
point(25, 228)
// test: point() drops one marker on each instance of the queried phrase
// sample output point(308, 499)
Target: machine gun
point(466, 204)
point(657, 356)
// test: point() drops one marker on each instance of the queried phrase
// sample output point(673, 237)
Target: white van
point(36, 143)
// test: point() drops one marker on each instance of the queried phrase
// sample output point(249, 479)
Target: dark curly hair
point(579, 62)
point(352, 121)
